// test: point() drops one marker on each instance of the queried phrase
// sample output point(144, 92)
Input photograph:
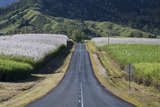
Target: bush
point(78, 36)
point(136, 34)
point(152, 36)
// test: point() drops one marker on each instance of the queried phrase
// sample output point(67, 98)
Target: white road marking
point(82, 104)
point(81, 84)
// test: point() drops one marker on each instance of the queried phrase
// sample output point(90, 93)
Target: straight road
point(79, 87)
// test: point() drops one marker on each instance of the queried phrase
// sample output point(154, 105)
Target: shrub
point(78, 35)
point(136, 34)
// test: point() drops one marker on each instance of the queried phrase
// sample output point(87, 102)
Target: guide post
point(129, 68)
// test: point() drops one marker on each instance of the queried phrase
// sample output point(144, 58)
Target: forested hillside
point(142, 14)
point(93, 17)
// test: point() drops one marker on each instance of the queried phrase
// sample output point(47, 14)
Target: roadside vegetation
point(38, 84)
point(144, 92)
point(26, 54)
point(144, 57)
point(17, 59)
point(31, 77)
point(16, 69)
point(12, 70)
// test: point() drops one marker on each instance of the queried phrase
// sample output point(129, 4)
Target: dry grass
point(33, 89)
point(34, 93)
point(139, 95)
point(9, 90)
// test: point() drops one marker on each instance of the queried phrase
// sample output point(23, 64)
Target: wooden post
point(129, 76)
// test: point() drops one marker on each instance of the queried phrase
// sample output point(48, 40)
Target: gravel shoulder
point(99, 66)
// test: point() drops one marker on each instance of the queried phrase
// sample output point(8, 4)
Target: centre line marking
point(81, 83)
point(82, 105)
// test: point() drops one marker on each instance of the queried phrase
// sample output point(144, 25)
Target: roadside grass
point(133, 53)
point(115, 80)
point(147, 74)
point(43, 85)
point(144, 57)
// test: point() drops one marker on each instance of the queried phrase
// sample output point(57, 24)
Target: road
point(79, 87)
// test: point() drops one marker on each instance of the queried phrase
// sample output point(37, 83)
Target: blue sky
point(6, 2)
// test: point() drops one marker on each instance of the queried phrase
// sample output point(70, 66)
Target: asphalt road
point(79, 87)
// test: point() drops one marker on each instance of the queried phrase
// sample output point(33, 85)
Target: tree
point(78, 35)
point(145, 28)
point(136, 34)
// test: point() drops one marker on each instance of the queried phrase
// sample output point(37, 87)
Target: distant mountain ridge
point(137, 14)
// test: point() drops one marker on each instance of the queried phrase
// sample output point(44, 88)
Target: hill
point(93, 17)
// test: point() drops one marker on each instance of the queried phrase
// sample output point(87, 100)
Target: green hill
point(93, 17)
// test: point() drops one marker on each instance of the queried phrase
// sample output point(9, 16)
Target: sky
point(6, 2)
